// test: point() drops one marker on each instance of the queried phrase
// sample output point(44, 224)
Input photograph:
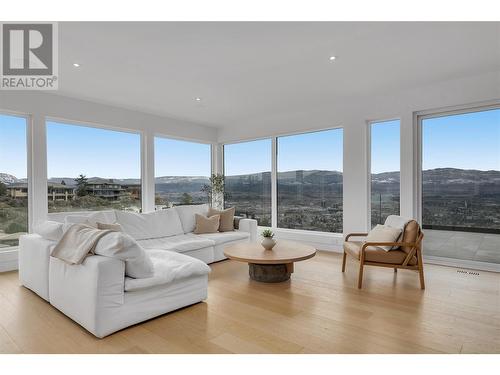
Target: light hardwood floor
point(319, 311)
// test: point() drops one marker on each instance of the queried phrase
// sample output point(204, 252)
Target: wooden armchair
point(407, 256)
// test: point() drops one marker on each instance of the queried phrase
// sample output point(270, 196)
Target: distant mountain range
point(431, 176)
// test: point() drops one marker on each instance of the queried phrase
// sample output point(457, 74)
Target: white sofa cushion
point(121, 246)
point(224, 237)
point(187, 215)
point(181, 243)
point(75, 219)
point(169, 266)
point(156, 224)
point(105, 217)
point(50, 230)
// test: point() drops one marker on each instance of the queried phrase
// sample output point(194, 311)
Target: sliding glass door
point(461, 185)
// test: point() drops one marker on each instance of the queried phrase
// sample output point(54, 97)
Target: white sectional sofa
point(98, 295)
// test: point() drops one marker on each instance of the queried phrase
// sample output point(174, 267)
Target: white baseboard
point(459, 263)
point(322, 241)
point(9, 260)
point(333, 242)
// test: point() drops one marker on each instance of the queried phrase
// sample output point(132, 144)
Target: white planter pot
point(268, 243)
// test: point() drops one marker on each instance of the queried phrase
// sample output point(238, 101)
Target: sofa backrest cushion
point(50, 230)
point(162, 223)
point(76, 219)
point(121, 246)
point(187, 215)
point(105, 217)
point(101, 216)
point(90, 218)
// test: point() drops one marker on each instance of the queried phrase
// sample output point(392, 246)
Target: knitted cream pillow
point(206, 224)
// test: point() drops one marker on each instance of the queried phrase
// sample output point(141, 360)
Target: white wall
point(353, 114)
point(41, 105)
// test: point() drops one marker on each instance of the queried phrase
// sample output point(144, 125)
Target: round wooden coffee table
point(270, 266)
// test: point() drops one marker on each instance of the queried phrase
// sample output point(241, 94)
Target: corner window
point(13, 180)
point(92, 169)
point(385, 167)
point(247, 169)
point(461, 185)
point(182, 169)
point(310, 181)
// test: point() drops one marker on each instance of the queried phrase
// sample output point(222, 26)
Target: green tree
point(159, 200)
point(81, 185)
point(186, 199)
point(3, 189)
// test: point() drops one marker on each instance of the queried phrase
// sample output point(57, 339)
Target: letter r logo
point(27, 49)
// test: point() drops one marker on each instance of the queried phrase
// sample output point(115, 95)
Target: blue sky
point(459, 142)
point(247, 157)
point(181, 158)
point(469, 141)
point(317, 150)
point(72, 150)
point(385, 150)
point(13, 157)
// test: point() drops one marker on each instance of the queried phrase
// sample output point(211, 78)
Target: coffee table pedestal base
point(270, 273)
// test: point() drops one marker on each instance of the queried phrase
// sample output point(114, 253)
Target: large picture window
point(181, 170)
point(385, 166)
point(92, 169)
point(247, 168)
point(461, 185)
point(13, 180)
point(310, 181)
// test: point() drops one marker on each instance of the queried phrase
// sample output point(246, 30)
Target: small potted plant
point(268, 241)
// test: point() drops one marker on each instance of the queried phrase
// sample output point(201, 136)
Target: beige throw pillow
point(226, 218)
point(114, 227)
point(206, 224)
point(383, 233)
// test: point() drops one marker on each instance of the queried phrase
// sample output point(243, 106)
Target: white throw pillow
point(187, 215)
point(163, 223)
point(121, 246)
point(50, 230)
point(383, 233)
point(76, 219)
point(105, 217)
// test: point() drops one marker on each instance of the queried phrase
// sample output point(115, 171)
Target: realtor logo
point(29, 56)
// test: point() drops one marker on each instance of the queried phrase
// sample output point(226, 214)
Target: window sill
point(321, 240)
point(9, 259)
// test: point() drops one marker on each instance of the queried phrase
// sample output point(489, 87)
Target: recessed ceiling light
point(332, 58)
point(198, 99)
point(76, 65)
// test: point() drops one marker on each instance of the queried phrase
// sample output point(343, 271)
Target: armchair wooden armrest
point(355, 235)
point(398, 244)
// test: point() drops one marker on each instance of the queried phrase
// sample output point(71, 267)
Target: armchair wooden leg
point(420, 268)
point(360, 277)
point(343, 261)
point(395, 270)
point(421, 274)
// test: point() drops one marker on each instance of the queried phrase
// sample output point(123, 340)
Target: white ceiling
point(251, 70)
